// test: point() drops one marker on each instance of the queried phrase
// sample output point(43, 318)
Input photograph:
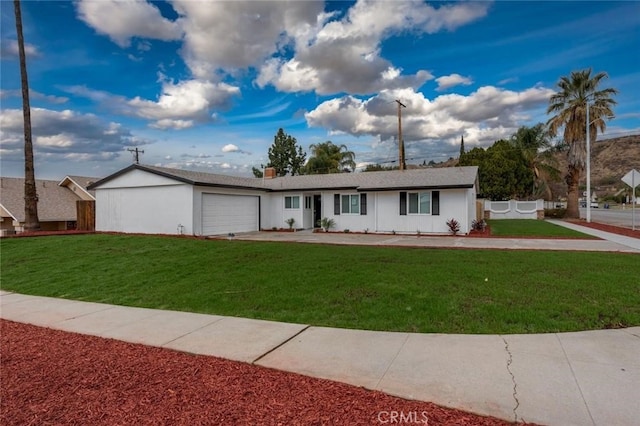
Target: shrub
point(290, 222)
point(346, 231)
point(555, 213)
point(327, 224)
point(454, 226)
point(479, 225)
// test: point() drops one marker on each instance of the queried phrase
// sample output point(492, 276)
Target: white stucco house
point(157, 200)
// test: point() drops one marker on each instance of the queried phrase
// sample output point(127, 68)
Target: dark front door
point(317, 210)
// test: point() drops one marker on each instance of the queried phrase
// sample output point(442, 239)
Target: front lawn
point(379, 288)
point(532, 228)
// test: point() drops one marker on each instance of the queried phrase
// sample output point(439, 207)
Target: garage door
point(222, 214)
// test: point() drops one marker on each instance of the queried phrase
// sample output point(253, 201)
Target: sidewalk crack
point(513, 379)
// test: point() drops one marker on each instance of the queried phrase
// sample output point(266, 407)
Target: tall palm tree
point(535, 147)
point(569, 106)
point(31, 221)
point(329, 158)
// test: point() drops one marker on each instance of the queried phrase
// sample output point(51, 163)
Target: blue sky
point(206, 85)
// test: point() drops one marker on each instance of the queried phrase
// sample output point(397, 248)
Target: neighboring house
point(57, 202)
point(156, 200)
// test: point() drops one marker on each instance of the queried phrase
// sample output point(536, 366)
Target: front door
point(317, 210)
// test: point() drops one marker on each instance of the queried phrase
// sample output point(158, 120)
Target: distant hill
point(611, 159)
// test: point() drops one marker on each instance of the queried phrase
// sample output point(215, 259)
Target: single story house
point(57, 202)
point(157, 200)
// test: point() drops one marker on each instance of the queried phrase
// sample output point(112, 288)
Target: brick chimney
point(269, 173)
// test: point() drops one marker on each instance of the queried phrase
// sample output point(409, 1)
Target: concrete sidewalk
point(608, 243)
point(633, 243)
point(585, 378)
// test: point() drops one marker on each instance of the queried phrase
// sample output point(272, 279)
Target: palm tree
point(569, 106)
point(329, 158)
point(533, 143)
point(31, 221)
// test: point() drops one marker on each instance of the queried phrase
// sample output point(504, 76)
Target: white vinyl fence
point(514, 209)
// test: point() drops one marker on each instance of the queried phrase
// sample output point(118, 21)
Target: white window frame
point(292, 205)
point(418, 194)
point(350, 211)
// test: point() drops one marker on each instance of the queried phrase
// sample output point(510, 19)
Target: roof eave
point(138, 167)
point(9, 211)
point(219, 185)
point(67, 179)
point(328, 188)
point(404, 188)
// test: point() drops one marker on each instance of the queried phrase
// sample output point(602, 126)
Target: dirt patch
point(55, 377)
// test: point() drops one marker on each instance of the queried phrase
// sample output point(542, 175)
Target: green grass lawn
point(379, 288)
point(531, 228)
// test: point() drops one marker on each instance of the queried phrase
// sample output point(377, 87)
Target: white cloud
point(34, 95)
point(64, 134)
point(9, 49)
point(230, 148)
point(240, 34)
point(180, 105)
point(448, 81)
point(344, 55)
point(484, 116)
point(121, 20)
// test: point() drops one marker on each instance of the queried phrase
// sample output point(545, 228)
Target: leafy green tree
point(472, 158)
point(285, 155)
point(569, 105)
point(31, 221)
point(537, 151)
point(502, 171)
point(329, 158)
point(257, 172)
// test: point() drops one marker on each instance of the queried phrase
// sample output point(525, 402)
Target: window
point(292, 202)
point(307, 203)
point(418, 202)
point(350, 204)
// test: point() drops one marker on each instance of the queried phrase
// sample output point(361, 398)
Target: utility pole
point(400, 141)
point(136, 153)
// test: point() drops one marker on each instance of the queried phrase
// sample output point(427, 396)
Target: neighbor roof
point(55, 203)
point(81, 181)
point(429, 178)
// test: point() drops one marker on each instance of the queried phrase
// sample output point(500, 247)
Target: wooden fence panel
point(86, 215)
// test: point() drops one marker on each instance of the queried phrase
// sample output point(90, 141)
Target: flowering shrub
point(454, 226)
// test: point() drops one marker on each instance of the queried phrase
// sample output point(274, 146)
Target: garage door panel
point(222, 214)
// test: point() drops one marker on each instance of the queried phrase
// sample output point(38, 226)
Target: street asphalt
point(580, 378)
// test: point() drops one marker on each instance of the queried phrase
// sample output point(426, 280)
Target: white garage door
point(222, 214)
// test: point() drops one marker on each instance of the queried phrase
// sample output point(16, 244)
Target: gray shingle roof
point(453, 177)
point(432, 178)
point(55, 203)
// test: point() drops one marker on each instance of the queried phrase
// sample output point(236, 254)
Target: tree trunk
point(31, 221)
point(573, 194)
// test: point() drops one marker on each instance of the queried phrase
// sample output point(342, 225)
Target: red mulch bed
point(608, 228)
point(54, 377)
